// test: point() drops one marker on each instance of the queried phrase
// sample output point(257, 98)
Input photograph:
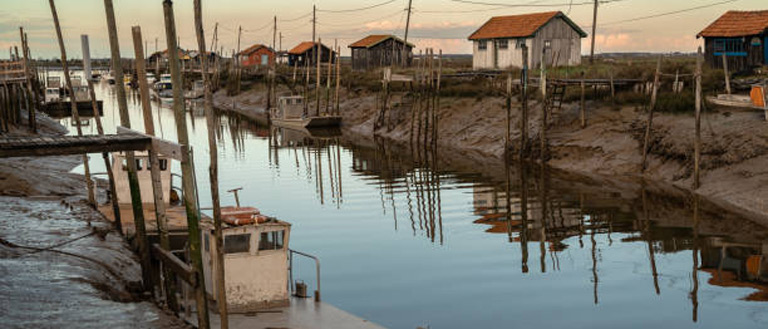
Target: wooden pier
point(68, 145)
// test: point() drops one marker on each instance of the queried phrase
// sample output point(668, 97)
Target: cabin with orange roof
point(549, 36)
point(380, 50)
point(740, 36)
point(305, 53)
point(257, 55)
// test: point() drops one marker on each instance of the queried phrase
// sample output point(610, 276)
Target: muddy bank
point(63, 266)
point(735, 143)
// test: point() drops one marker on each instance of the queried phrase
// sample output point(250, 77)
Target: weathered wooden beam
point(176, 265)
point(70, 145)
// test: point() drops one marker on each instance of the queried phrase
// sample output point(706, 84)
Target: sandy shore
point(91, 279)
point(735, 143)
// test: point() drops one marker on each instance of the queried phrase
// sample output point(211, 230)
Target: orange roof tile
point(301, 48)
point(373, 40)
point(519, 26)
point(737, 24)
point(253, 48)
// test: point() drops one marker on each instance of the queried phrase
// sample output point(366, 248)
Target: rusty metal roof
point(737, 24)
point(254, 48)
point(520, 26)
point(302, 48)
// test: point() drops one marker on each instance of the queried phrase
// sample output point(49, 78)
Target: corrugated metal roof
point(737, 24)
point(519, 26)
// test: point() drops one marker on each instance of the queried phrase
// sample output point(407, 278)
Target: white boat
point(151, 78)
point(163, 90)
point(52, 94)
point(289, 113)
point(110, 78)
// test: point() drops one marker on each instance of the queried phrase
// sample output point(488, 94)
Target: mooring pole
point(697, 142)
point(73, 101)
point(328, 78)
point(583, 104)
point(213, 170)
point(125, 121)
point(154, 165)
point(27, 74)
point(338, 78)
point(187, 172)
point(524, 103)
point(727, 74)
point(649, 126)
point(319, 49)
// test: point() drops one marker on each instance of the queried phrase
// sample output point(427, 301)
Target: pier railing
point(290, 271)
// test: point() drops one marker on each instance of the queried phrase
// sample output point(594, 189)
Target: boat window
point(162, 162)
point(125, 165)
point(271, 240)
point(237, 243)
point(138, 164)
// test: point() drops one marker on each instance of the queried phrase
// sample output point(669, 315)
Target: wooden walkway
point(68, 145)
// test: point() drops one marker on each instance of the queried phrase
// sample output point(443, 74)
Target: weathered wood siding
point(311, 55)
point(755, 55)
point(382, 54)
point(565, 43)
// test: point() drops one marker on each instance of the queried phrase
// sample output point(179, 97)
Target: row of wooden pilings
point(20, 90)
point(523, 148)
point(152, 278)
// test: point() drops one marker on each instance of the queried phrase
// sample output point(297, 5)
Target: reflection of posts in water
point(581, 220)
point(695, 254)
point(524, 216)
point(410, 203)
point(319, 167)
point(647, 233)
point(543, 229)
point(435, 169)
point(594, 261)
point(330, 171)
point(338, 169)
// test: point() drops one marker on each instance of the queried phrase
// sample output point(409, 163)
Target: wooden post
point(435, 113)
point(508, 105)
point(613, 87)
point(213, 170)
point(27, 74)
point(154, 163)
point(73, 101)
point(649, 125)
point(727, 74)
point(524, 103)
point(583, 107)
point(319, 49)
point(237, 61)
point(697, 142)
point(328, 79)
point(338, 78)
point(188, 179)
point(675, 87)
point(543, 73)
point(306, 85)
point(133, 178)
point(594, 34)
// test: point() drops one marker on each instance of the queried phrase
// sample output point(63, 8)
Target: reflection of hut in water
point(737, 265)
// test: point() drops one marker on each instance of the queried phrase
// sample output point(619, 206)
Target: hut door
point(495, 45)
point(765, 50)
point(264, 60)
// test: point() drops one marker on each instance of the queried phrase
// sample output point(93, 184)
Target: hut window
point(271, 240)
point(729, 47)
point(125, 165)
point(482, 45)
point(503, 44)
point(237, 243)
point(138, 164)
point(163, 164)
point(547, 44)
point(519, 43)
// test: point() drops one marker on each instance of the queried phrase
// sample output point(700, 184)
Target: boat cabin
point(256, 263)
point(52, 94)
point(120, 171)
point(289, 107)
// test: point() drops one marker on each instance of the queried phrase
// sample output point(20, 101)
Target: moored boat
point(290, 113)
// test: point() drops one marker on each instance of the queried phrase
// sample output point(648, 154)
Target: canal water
point(435, 240)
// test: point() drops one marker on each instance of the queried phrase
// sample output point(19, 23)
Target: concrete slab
point(303, 313)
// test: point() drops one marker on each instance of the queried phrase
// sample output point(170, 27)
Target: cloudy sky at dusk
point(445, 24)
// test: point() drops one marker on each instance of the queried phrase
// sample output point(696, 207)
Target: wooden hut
point(380, 50)
point(256, 56)
point(307, 52)
point(741, 36)
point(550, 35)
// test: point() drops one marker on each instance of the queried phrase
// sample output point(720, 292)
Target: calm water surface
point(407, 241)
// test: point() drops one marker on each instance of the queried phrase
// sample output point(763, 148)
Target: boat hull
point(311, 122)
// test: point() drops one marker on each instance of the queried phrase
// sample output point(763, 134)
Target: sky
point(440, 24)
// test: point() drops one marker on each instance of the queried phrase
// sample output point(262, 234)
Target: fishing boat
point(110, 78)
point(151, 78)
point(163, 89)
point(290, 113)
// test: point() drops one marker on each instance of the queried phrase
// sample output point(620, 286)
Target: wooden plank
point(69, 145)
point(184, 271)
